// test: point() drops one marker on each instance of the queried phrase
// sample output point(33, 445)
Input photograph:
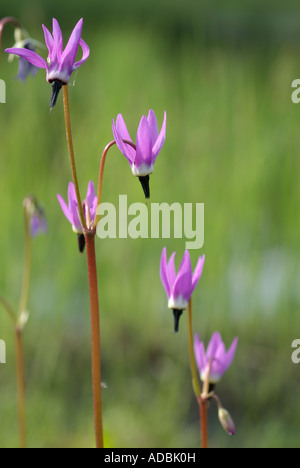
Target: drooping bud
point(226, 421)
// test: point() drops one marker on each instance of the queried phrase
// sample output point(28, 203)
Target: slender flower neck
point(101, 171)
point(3, 23)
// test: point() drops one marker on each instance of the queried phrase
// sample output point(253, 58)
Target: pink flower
point(216, 360)
point(179, 286)
point(149, 142)
point(60, 63)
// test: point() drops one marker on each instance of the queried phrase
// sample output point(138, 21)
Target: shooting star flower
point(60, 63)
point(213, 363)
point(179, 286)
point(149, 142)
point(71, 210)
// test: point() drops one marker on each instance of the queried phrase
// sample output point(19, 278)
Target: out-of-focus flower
point(179, 286)
point(216, 360)
point(38, 222)
point(60, 63)
point(24, 41)
point(149, 142)
point(71, 210)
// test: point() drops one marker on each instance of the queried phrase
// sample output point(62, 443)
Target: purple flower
point(179, 286)
point(216, 360)
point(149, 142)
point(60, 63)
point(71, 210)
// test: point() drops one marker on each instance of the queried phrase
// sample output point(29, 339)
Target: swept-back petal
point(231, 353)
point(29, 55)
point(90, 195)
point(153, 126)
point(183, 282)
point(213, 345)
point(164, 271)
point(121, 134)
point(57, 40)
point(199, 351)
point(69, 54)
point(49, 40)
point(171, 270)
point(65, 209)
point(143, 143)
point(161, 138)
point(85, 54)
point(198, 271)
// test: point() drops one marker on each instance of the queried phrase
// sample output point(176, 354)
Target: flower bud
point(226, 421)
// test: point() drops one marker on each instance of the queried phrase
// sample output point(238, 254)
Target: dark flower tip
point(177, 314)
point(81, 242)
point(145, 184)
point(56, 87)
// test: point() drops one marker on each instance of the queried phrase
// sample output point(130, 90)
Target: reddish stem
point(95, 336)
point(203, 418)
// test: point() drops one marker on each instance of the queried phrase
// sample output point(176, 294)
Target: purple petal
point(213, 345)
point(69, 54)
point(49, 40)
point(231, 352)
point(29, 55)
point(85, 54)
point(120, 133)
point(199, 351)
point(143, 144)
point(161, 138)
point(198, 271)
point(153, 126)
point(65, 208)
point(171, 270)
point(57, 40)
point(183, 282)
point(164, 272)
point(90, 195)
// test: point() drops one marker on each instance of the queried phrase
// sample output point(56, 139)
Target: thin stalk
point(21, 387)
point(72, 154)
point(27, 266)
point(3, 22)
point(95, 336)
point(201, 401)
point(101, 172)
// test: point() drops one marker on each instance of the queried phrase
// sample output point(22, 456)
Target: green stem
point(71, 153)
point(21, 387)
point(95, 336)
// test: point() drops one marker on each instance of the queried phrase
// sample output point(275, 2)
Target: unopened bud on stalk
point(226, 421)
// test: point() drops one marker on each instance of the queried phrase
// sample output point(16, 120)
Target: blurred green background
point(223, 72)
